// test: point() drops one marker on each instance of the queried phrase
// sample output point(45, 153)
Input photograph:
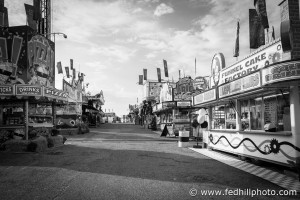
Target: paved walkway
point(279, 179)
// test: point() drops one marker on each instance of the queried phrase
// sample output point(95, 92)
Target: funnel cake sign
point(267, 56)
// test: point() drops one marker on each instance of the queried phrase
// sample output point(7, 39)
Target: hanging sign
point(169, 104)
point(7, 90)
point(281, 72)
point(55, 93)
point(183, 103)
point(270, 55)
point(206, 96)
point(241, 85)
point(29, 90)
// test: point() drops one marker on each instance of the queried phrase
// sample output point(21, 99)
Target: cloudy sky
point(111, 41)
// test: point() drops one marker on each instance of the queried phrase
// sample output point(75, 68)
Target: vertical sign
point(145, 74)
point(158, 75)
point(166, 68)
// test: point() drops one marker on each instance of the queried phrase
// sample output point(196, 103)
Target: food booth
point(27, 77)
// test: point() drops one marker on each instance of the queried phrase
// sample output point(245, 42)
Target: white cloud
point(113, 52)
point(163, 9)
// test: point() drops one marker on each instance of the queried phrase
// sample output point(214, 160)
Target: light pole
point(54, 103)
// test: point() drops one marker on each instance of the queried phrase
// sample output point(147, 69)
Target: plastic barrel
point(183, 138)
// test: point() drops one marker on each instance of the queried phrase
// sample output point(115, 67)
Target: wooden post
point(26, 119)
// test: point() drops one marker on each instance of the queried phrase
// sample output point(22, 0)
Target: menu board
point(270, 110)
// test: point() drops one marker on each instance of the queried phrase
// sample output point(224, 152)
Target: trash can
point(183, 138)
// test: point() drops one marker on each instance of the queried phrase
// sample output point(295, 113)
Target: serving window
point(12, 114)
point(271, 113)
point(224, 116)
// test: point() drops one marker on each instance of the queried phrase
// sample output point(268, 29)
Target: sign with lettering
point(281, 72)
point(183, 103)
point(241, 85)
point(206, 96)
point(29, 90)
point(169, 104)
point(270, 55)
point(55, 93)
point(7, 90)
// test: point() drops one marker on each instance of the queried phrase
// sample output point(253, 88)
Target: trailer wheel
point(256, 161)
point(243, 158)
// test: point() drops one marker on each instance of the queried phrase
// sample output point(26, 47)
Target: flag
point(179, 74)
point(140, 79)
point(257, 33)
point(71, 64)
point(166, 68)
point(237, 41)
point(195, 67)
point(82, 76)
point(273, 33)
point(261, 10)
point(74, 73)
point(29, 15)
point(145, 74)
point(59, 68)
point(67, 72)
point(158, 75)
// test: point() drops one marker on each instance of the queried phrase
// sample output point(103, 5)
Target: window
point(218, 117)
point(277, 112)
point(12, 114)
point(273, 110)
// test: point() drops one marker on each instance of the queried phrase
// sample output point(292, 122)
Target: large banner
point(256, 30)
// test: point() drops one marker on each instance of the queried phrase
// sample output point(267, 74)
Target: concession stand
point(254, 105)
point(27, 77)
point(173, 110)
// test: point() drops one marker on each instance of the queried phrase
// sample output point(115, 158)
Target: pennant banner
point(166, 68)
point(140, 79)
point(257, 33)
point(158, 75)
point(74, 73)
point(67, 72)
point(145, 74)
point(237, 41)
point(59, 68)
point(29, 14)
point(71, 64)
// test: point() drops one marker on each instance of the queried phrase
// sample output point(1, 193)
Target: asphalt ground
point(117, 161)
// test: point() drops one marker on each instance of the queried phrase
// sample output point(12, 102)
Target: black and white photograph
point(149, 99)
